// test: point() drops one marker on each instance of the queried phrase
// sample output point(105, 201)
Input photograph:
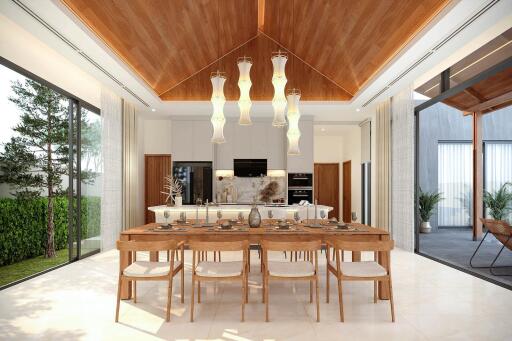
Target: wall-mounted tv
point(248, 168)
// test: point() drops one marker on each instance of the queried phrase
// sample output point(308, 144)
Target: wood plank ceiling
point(335, 46)
point(497, 50)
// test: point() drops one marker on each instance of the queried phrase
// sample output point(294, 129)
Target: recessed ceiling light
point(153, 109)
point(358, 110)
point(322, 129)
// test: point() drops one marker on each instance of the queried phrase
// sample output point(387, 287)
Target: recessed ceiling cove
point(335, 46)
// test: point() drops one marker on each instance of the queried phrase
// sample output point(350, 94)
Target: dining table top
point(189, 229)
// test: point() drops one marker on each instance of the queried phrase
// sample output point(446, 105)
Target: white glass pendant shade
point(218, 100)
point(244, 83)
point(293, 133)
point(279, 82)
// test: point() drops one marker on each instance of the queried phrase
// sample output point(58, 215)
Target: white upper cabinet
point(303, 163)
point(190, 140)
point(257, 141)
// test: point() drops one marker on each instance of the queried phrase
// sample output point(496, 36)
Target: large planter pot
point(425, 227)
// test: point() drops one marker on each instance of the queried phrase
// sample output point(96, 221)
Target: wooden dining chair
point(295, 271)
point(151, 271)
point(207, 271)
point(360, 271)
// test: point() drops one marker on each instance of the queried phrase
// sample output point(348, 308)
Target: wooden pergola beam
point(478, 178)
point(507, 97)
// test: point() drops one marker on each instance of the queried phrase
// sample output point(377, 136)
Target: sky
point(9, 115)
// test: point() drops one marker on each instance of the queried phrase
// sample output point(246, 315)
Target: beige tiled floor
point(432, 302)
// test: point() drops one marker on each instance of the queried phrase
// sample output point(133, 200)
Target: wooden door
point(156, 167)
point(327, 186)
point(347, 191)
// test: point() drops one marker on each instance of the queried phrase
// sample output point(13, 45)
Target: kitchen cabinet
point(258, 141)
point(190, 140)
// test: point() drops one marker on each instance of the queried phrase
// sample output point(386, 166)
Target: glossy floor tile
point(433, 302)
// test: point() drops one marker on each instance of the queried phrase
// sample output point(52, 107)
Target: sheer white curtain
point(111, 145)
point(498, 166)
point(402, 169)
point(455, 174)
point(383, 131)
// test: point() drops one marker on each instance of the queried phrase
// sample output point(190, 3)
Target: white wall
point(340, 143)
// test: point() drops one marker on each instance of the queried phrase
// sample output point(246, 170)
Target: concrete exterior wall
point(441, 122)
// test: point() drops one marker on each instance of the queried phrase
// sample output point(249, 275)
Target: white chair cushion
point(361, 269)
point(219, 269)
point(149, 269)
point(291, 269)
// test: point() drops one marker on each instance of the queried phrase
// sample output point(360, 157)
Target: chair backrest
point(377, 245)
point(497, 227)
point(133, 245)
point(290, 245)
point(238, 245)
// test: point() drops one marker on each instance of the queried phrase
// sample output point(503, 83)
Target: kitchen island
point(231, 211)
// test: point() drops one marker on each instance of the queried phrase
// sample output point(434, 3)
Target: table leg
point(125, 259)
point(356, 256)
point(383, 260)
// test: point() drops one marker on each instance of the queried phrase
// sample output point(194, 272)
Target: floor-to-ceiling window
point(41, 138)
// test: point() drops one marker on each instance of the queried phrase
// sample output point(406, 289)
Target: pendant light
point(279, 82)
point(293, 115)
point(293, 98)
point(218, 100)
point(244, 83)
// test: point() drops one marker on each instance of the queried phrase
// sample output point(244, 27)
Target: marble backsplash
point(244, 190)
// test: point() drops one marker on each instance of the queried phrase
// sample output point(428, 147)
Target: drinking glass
point(183, 217)
point(296, 217)
point(167, 214)
point(322, 214)
point(240, 217)
point(354, 217)
point(270, 215)
point(219, 216)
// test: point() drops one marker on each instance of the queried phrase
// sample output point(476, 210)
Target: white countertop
point(232, 210)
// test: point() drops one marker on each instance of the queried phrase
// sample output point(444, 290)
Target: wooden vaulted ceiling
point(335, 46)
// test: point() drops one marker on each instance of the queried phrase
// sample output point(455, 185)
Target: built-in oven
point(300, 180)
point(296, 195)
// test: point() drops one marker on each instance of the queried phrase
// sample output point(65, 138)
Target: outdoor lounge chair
point(503, 232)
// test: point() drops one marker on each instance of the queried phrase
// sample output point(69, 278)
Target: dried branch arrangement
point(172, 187)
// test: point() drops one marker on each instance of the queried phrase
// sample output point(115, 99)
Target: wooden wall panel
point(156, 167)
point(327, 186)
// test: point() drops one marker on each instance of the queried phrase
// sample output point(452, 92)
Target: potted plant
point(498, 201)
point(174, 188)
point(427, 203)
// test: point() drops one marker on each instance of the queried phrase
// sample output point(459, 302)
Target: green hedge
point(23, 226)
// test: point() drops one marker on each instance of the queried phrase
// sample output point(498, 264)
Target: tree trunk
point(50, 231)
point(50, 228)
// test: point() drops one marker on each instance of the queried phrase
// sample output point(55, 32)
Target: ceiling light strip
point(432, 50)
point(77, 49)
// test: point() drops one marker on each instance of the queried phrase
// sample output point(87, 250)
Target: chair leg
point(340, 300)
point(119, 282)
point(375, 291)
point(311, 291)
point(317, 300)
point(214, 256)
point(183, 283)
point(476, 250)
point(327, 285)
point(266, 299)
point(243, 298)
point(192, 299)
point(169, 299)
point(391, 300)
point(219, 257)
point(134, 291)
point(198, 292)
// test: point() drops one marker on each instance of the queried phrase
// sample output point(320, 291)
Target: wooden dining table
point(297, 232)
